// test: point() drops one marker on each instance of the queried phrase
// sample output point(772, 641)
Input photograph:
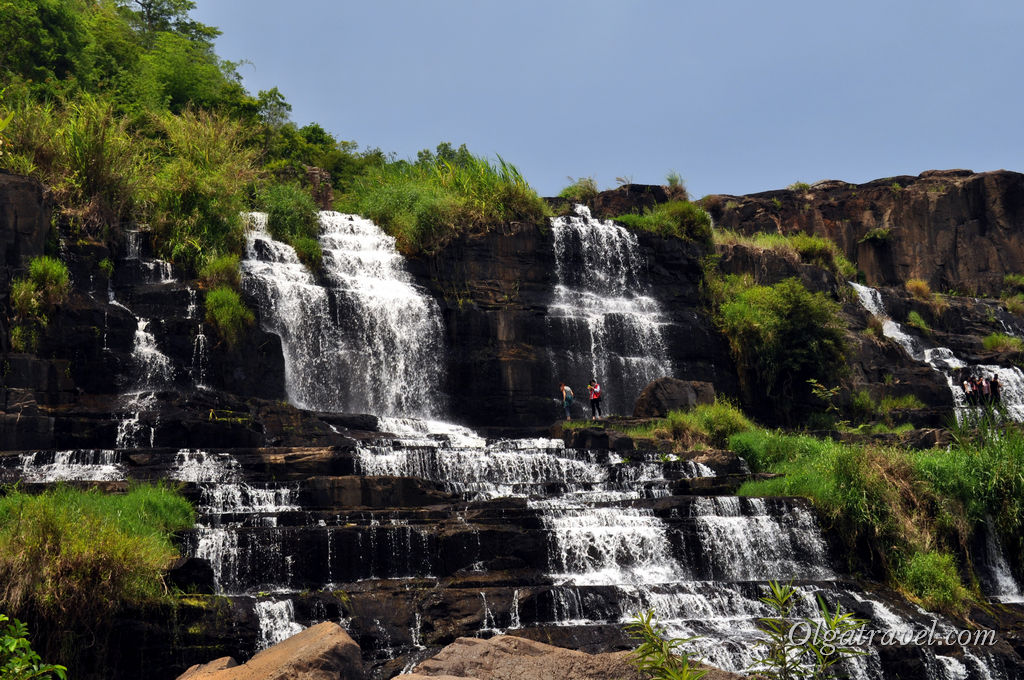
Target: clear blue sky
point(736, 96)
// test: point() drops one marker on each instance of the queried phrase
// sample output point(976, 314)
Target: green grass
point(424, 205)
point(1001, 342)
point(228, 315)
point(675, 219)
point(1015, 304)
point(580, 190)
point(904, 401)
point(877, 236)
point(69, 556)
point(1014, 282)
point(220, 271)
point(917, 321)
point(293, 217)
point(705, 423)
point(807, 248)
point(911, 512)
point(799, 187)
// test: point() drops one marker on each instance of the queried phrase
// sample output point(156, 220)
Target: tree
point(18, 661)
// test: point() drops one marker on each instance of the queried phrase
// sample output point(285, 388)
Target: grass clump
point(917, 321)
point(920, 289)
point(806, 248)
point(292, 217)
point(1015, 304)
point(70, 557)
point(674, 219)
point(1001, 342)
point(1014, 282)
point(34, 297)
point(580, 190)
point(425, 204)
point(222, 270)
point(933, 577)
point(228, 315)
point(799, 187)
point(704, 424)
point(890, 402)
point(877, 236)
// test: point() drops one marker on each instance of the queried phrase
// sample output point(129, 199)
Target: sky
point(735, 96)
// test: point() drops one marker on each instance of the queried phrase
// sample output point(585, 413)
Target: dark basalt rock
point(671, 394)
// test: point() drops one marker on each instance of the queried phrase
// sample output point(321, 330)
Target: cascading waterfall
point(610, 327)
point(86, 465)
point(943, 360)
point(365, 340)
point(151, 370)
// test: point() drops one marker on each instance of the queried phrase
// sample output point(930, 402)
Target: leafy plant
point(18, 661)
point(659, 657)
point(226, 312)
point(813, 657)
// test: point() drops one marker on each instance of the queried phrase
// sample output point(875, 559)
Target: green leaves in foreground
point(657, 656)
point(18, 661)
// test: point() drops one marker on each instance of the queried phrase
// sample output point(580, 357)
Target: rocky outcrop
point(24, 225)
point(321, 652)
point(956, 229)
point(515, 658)
point(671, 394)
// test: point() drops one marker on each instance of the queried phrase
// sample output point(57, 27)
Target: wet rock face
point(955, 229)
point(671, 394)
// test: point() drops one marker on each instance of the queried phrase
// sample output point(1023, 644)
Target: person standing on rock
point(594, 388)
point(968, 392)
point(993, 386)
point(567, 397)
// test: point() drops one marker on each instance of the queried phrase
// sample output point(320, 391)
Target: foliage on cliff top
point(580, 190)
point(913, 510)
point(423, 204)
point(704, 424)
point(678, 219)
point(780, 336)
point(806, 248)
point(292, 217)
point(71, 557)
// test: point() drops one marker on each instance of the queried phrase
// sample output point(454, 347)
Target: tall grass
point(1001, 342)
point(678, 219)
point(580, 190)
point(292, 217)
point(71, 557)
point(424, 204)
point(704, 424)
point(204, 170)
point(807, 248)
point(228, 315)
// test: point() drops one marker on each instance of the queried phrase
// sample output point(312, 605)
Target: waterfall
point(361, 337)
point(151, 370)
point(277, 621)
point(1003, 587)
point(943, 360)
point(610, 327)
point(66, 466)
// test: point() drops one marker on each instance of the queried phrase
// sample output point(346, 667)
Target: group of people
point(982, 391)
point(593, 389)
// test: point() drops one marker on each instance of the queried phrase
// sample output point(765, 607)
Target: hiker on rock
point(567, 397)
point(594, 388)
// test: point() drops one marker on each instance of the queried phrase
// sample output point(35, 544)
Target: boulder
point(321, 652)
point(670, 394)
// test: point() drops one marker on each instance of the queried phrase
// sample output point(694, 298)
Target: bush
point(781, 337)
point(920, 289)
point(25, 299)
point(18, 661)
point(657, 656)
point(862, 406)
point(51, 280)
point(1001, 342)
point(1014, 282)
point(917, 321)
point(580, 190)
point(705, 424)
point(221, 271)
point(69, 557)
point(423, 205)
point(309, 252)
point(226, 312)
point(877, 236)
point(1015, 304)
point(24, 338)
point(876, 326)
point(933, 578)
point(799, 187)
point(675, 219)
point(291, 212)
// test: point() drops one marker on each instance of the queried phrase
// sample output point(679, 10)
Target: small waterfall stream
point(943, 360)
point(363, 338)
point(611, 327)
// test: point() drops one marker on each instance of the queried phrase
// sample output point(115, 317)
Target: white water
point(1003, 587)
point(65, 466)
point(611, 327)
point(151, 370)
point(368, 340)
point(277, 621)
point(943, 360)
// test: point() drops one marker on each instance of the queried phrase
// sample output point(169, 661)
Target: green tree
point(18, 661)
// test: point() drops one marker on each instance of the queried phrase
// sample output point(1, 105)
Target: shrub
point(917, 321)
point(1014, 282)
point(675, 219)
point(423, 205)
point(107, 267)
point(1015, 304)
point(657, 656)
point(18, 661)
point(704, 424)
point(782, 336)
point(309, 252)
point(1001, 342)
point(24, 338)
point(204, 168)
point(876, 326)
point(877, 236)
point(799, 187)
point(291, 212)
point(226, 312)
point(70, 557)
point(25, 299)
point(51, 280)
point(862, 406)
point(221, 271)
point(580, 190)
point(933, 578)
point(919, 288)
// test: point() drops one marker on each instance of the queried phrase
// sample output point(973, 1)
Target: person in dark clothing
point(595, 399)
point(994, 389)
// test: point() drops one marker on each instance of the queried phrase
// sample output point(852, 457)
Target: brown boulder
point(671, 394)
point(321, 652)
